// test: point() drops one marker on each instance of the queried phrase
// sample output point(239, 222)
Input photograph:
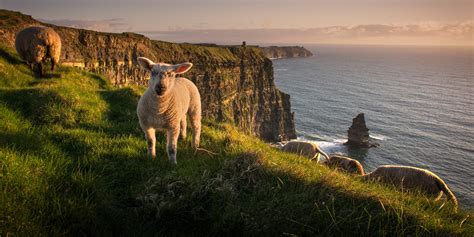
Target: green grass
point(72, 162)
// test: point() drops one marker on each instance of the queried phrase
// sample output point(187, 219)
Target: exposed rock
point(236, 83)
point(358, 133)
point(275, 52)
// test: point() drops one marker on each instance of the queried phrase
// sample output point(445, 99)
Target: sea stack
point(358, 134)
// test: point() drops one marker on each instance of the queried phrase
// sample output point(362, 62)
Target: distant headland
point(276, 52)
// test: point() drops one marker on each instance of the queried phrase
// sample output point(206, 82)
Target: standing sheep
point(345, 163)
point(412, 178)
point(36, 44)
point(166, 102)
point(307, 149)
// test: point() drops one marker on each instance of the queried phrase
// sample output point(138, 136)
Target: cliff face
point(275, 52)
point(236, 83)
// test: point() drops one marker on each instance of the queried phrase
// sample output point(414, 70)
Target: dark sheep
point(36, 44)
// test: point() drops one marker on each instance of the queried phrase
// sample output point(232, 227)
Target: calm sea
point(418, 104)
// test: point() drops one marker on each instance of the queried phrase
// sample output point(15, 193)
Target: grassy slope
point(72, 161)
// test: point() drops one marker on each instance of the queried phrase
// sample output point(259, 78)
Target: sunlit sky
point(438, 22)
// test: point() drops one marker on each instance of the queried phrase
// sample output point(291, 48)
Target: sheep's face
point(161, 81)
point(163, 75)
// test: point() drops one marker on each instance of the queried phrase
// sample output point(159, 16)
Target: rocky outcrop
point(236, 83)
point(358, 133)
point(275, 52)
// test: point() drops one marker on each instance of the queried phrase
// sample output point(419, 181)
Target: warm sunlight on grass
point(73, 162)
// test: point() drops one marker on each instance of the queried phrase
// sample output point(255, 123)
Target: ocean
point(418, 104)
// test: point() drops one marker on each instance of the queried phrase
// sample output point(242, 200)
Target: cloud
point(107, 25)
point(430, 32)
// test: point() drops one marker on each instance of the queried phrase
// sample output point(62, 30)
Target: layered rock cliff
point(274, 52)
point(236, 83)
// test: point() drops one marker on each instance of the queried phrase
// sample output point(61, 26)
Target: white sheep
point(345, 163)
point(36, 44)
point(413, 178)
point(166, 102)
point(307, 149)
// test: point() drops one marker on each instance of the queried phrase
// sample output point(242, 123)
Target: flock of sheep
point(406, 177)
point(169, 99)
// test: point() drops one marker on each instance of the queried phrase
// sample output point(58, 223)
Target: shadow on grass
point(117, 190)
point(101, 81)
point(106, 185)
point(31, 103)
point(50, 75)
point(122, 105)
point(9, 57)
point(121, 113)
point(243, 197)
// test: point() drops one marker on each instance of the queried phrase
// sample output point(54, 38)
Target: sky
point(425, 22)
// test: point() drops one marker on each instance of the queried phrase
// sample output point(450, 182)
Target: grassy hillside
point(72, 162)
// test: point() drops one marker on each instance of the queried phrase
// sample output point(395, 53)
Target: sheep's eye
point(153, 73)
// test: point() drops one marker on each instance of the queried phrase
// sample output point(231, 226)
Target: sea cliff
point(236, 83)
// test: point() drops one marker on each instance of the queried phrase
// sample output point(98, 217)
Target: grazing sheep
point(413, 178)
point(307, 149)
point(345, 163)
point(166, 102)
point(36, 44)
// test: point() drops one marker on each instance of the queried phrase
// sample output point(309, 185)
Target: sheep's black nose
point(159, 90)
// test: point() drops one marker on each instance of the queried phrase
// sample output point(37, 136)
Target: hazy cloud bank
point(424, 33)
point(431, 33)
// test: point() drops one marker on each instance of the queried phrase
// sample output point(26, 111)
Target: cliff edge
point(236, 83)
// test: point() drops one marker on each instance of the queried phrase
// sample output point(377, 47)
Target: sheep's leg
point(172, 135)
point(183, 128)
point(40, 69)
point(196, 125)
point(52, 64)
point(151, 141)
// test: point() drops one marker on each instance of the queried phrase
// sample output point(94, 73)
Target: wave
point(378, 137)
point(330, 147)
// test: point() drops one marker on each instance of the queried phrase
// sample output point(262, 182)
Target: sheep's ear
point(145, 63)
point(182, 68)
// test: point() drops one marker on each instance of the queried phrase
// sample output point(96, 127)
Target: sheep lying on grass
point(408, 177)
point(36, 44)
point(307, 149)
point(166, 102)
point(345, 163)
